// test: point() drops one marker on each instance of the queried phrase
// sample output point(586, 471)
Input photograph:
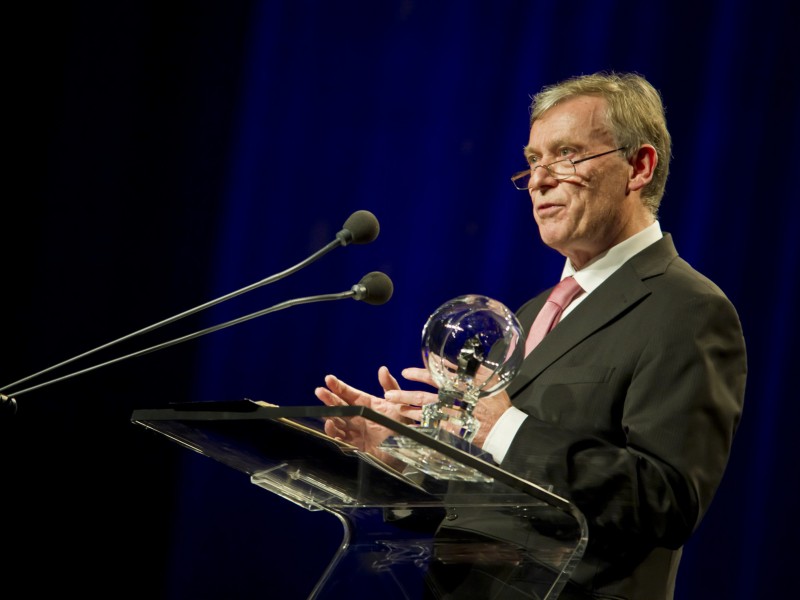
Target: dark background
point(161, 155)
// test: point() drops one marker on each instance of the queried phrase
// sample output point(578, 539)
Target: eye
point(566, 152)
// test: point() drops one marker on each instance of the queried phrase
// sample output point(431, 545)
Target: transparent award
point(472, 346)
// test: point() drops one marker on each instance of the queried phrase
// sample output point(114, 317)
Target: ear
point(644, 165)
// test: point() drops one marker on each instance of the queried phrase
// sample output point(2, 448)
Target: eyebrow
point(554, 145)
point(527, 152)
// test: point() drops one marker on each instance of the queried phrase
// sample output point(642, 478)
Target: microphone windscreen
point(376, 288)
point(361, 227)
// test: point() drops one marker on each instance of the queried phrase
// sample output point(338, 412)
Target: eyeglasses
point(560, 169)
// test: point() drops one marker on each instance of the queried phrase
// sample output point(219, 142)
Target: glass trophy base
point(432, 462)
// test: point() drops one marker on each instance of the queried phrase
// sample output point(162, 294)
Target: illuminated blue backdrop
point(165, 154)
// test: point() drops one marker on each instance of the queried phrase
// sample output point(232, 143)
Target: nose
point(541, 177)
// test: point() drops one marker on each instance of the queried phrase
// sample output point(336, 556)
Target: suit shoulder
point(679, 273)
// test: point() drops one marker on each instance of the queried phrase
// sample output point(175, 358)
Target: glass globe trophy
point(472, 346)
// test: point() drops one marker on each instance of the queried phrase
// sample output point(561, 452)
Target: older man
point(628, 407)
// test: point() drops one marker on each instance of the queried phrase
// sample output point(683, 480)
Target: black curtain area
point(165, 154)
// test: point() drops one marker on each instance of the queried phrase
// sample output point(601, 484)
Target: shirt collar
point(602, 266)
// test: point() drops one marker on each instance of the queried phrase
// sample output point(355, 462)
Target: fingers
point(328, 398)
point(335, 427)
point(411, 397)
point(410, 413)
point(344, 392)
point(410, 402)
point(418, 374)
point(387, 380)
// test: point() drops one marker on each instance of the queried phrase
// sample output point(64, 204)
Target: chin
point(551, 238)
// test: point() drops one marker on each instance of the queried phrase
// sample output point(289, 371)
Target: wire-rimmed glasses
point(560, 169)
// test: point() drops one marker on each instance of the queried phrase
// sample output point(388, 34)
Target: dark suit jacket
point(633, 400)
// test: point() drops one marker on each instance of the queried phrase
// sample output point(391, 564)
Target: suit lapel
point(619, 293)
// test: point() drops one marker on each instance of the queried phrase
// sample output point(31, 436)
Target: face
point(589, 212)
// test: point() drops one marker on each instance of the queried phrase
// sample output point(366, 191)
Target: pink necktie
point(564, 293)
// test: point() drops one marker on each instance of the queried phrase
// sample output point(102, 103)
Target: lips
point(547, 209)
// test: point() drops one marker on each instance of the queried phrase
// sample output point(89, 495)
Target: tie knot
point(565, 292)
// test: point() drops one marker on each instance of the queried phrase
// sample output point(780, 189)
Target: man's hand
point(409, 403)
point(488, 410)
point(362, 433)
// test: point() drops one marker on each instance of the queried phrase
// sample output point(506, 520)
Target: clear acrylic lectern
point(412, 531)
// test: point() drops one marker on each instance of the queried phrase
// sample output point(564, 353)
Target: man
point(629, 406)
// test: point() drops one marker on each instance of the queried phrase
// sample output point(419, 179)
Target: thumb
point(387, 380)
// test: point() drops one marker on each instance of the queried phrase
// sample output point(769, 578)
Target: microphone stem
point(197, 334)
point(272, 278)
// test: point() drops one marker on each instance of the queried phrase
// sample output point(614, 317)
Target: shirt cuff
point(500, 436)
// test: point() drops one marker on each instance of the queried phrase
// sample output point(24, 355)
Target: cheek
point(588, 212)
point(580, 212)
point(595, 203)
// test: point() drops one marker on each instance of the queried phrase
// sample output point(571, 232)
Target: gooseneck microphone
point(374, 288)
point(361, 227)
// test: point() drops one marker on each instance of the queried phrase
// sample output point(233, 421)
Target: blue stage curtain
point(170, 155)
